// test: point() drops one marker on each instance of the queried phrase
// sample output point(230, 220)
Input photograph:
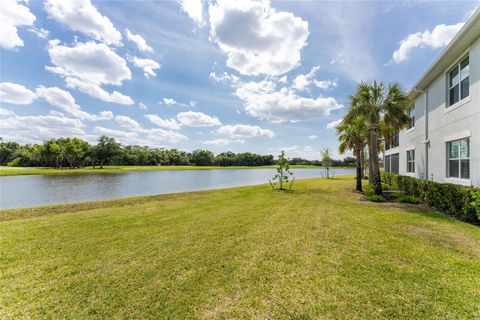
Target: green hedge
point(457, 201)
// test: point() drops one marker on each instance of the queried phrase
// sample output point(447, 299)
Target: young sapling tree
point(283, 172)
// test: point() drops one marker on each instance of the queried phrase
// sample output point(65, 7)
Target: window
point(411, 161)
point(458, 159)
point(391, 163)
point(411, 114)
point(459, 82)
point(394, 163)
point(391, 141)
point(387, 164)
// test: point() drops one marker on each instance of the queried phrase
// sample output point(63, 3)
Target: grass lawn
point(314, 253)
point(15, 171)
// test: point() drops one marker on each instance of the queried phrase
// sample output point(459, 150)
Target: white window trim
point(455, 180)
point(414, 119)
point(457, 104)
point(461, 102)
point(458, 136)
point(392, 151)
point(462, 182)
point(414, 162)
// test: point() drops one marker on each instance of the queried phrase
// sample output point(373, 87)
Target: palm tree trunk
point(373, 147)
point(370, 166)
point(362, 162)
point(358, 164)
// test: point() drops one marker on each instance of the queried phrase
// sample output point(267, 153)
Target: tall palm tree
point(379, 107)
point(353, 136)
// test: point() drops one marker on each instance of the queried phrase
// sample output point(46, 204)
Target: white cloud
point(128, 137)
point(169, 101)
point(82, 16)
point(173, 102)
point(128, 123)
point(135, 134)
point(139, 41)
point(333, 125)
point(97, 92)
point(325, 84)
point(303, 81)
point(165, 123)
point(312, 137)
point(222, 142)
point(245, 131)
point(142, 106)
point(15, 93)
point(197, 119)
point(225, 78)
point(20, 128)
point(148, 65)
point(194, 9)
point(263, 101)
point(64, 101)
point(439, 37)
point(13, 15)
point(160, 135)
point(257, 38)
point(6, 113)
point(283, 80)
point(305, 152)
point(87, 66)
point(40, 32)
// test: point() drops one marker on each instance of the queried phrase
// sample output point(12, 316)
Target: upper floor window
point(411, 114)
point(459, 82)
point(411, 161)
point(391, 141)
point(458, 159)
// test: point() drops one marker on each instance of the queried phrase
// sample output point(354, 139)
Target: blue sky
point(221, 75)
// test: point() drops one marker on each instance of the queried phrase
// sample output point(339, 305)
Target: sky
point(257, 76)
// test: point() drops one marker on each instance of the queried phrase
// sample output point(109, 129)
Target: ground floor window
point(392, 163)
point(458, 159)
point(411, 161)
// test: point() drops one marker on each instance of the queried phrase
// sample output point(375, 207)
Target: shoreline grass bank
point(315, 252)
point(12, 171)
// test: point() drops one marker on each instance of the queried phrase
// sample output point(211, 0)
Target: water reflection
point(29, 191)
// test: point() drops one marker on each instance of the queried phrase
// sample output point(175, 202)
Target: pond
point(40, 190)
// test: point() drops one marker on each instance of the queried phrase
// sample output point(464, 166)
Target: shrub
point(457, 201)
point(408, 199)
point(475, 204)
point(17, 162)
point(375, 198)
point(368, 190)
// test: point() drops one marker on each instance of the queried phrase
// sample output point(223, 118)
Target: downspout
point(427, 139)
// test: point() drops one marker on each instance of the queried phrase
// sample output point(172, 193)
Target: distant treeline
point(76, 153)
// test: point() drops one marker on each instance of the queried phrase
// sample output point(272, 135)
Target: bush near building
point(457, 201)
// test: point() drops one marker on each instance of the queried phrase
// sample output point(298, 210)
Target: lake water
point(39, 190)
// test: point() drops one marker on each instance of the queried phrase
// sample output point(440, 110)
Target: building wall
point(444, 124)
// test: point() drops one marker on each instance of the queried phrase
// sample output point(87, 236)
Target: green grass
point(15, 171)
point(317, 252)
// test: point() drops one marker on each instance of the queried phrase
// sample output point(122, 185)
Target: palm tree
point(379, 108)
point(353, 136)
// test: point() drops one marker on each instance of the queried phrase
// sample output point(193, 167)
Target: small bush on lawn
point(368, 190)
point(375, 198)
point(408, 199)
point(457, 201)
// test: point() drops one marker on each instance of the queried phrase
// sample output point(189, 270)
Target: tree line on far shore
point(77, 153)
